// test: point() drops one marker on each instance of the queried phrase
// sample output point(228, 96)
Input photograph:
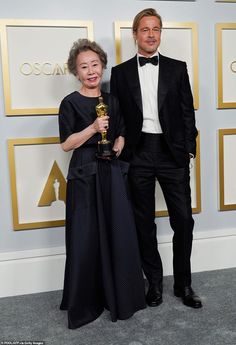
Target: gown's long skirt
point(103, 268)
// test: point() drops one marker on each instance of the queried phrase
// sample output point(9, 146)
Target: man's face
point(148, 35)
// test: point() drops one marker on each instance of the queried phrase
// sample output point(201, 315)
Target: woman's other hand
point(118, 145)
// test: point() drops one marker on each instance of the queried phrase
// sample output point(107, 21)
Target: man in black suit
point(157, 104)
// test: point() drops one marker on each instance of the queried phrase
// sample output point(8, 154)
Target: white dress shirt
point(148, 78)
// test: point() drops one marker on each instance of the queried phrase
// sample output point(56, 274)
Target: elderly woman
point(103, 267)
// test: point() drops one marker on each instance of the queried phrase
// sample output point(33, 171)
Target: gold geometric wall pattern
point(55, 187)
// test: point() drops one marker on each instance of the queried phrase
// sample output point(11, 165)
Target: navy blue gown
point(103, 268)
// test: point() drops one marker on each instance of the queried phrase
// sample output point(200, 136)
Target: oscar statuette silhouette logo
point(104, 146)
point(54, 193)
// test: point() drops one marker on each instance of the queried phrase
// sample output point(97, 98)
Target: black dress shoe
point(188, 296)
point(154, 296)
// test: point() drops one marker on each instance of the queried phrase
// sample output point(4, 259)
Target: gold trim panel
point(119, 25)
point(4, 24)
point(221, 134)
point(219, 28)
point(11, 154)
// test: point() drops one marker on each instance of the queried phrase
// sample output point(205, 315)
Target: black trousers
point(152, 161)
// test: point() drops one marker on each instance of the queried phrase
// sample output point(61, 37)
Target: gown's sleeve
point(66, 120)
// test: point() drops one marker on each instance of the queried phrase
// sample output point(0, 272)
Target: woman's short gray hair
point(83, 45)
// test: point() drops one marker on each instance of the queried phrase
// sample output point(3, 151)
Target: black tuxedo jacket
point(175, 105)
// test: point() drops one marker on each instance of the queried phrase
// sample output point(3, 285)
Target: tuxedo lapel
point(132, 76)
point(133, 81)
point(164, 80)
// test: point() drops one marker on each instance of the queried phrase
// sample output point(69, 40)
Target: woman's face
point(89, 69)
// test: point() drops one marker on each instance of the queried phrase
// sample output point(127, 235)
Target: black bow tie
point(143, 60)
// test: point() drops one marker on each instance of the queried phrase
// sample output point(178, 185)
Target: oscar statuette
point(104, 146)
